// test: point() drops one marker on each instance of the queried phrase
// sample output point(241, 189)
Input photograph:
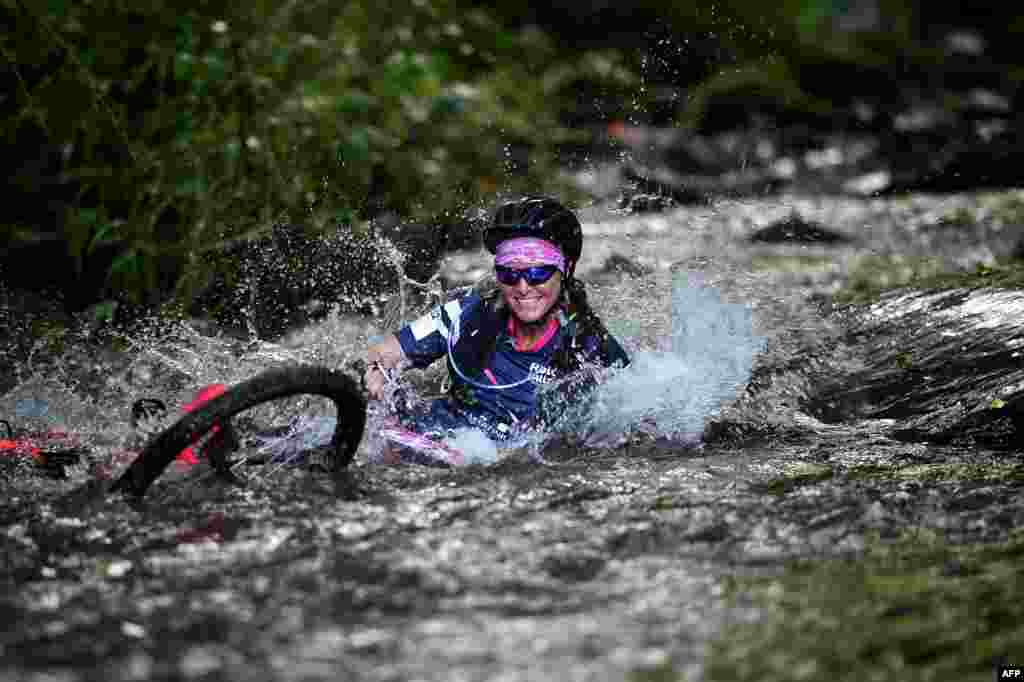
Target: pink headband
point(529, 249)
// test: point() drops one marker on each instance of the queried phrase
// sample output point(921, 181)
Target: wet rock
point(763, 544)
point(573, 568)
point(710, 532)
point(523, 572)
point(198, 662)
point(900, 498)
point(940, 364)
point(137, 666)
point(423, 243)
point(617, 264)
point(643, 539)
point(645, 203)
point(889, 136)
point(31, 266)
point(797, 229)
point(34, 324)
point(1018, 251)
point(832, 517)
point(957, 569)
point(970, 500)
point(290, 276)
point(826, 540)
point(869, 184)
point(661, 182)
point(875, 514)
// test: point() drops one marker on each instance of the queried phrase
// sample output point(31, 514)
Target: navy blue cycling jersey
point(513, 375)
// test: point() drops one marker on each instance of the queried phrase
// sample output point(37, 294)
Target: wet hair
point(569, 357)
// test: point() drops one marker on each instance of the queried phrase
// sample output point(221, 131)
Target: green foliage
point(770, 78)
point(663, 672)
point(928, 473)
point(183, 126)
point(793, 263)
point(795, 476)
point(916, 609)
point(870, 276)
point(1001, 209)
point(103, 312)
point(194, 124)
point(810, 58)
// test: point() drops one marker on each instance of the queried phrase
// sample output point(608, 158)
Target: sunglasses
point(534, 275)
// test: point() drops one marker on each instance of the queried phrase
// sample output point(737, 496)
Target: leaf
point(100, 236)
point(78, 232)
point(344, 216)
point(104, 311)
point(448, 104)
point(87, 216)
point(354, 102)
point(57, 8)
point(505, 41)
point(215, 67)
point(185, 37)
point(233, 149)
point(182, 66)
point(126, 263)
point(194, 186)
point(66, 99)
point(811, 16)
point(356, 147)
point(998, 404)
point(440, 65)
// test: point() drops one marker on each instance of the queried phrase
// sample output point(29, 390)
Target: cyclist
point(537, 328)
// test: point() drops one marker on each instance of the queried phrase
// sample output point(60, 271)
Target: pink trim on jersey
point(549, 331)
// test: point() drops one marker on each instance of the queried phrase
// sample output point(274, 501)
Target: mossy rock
point(292, 274)
point(795, 476)
point(940, 472)
point(914, 609)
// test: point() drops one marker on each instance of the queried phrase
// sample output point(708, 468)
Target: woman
point(536, 329)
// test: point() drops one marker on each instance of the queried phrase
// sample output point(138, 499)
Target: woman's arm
point(387, 354)
point(418, 343)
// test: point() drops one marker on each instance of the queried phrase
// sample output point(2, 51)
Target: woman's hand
point(381, 356)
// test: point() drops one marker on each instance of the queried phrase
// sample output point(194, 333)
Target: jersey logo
point(541, 374)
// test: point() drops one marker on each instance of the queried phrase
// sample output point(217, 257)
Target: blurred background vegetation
point(142, 137)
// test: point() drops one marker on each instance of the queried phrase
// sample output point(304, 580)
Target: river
point(808, 537)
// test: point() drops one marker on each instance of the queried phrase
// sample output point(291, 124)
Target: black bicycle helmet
point(540, 217)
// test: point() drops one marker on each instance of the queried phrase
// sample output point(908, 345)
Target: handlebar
point(395, 393)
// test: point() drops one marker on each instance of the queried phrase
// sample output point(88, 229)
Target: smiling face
point(531, 303)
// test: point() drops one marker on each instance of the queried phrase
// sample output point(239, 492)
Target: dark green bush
point(170, 128)
point(141, 136)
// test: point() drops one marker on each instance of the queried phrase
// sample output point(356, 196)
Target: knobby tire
point(266, 387)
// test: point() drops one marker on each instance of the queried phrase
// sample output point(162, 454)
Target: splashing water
point(303, 434)
point(672, 392)
point(475, 445)
point(687, 362)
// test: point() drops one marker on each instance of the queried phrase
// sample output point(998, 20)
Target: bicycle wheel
point(266, 387)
